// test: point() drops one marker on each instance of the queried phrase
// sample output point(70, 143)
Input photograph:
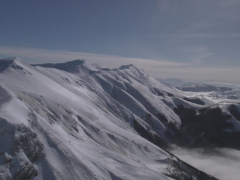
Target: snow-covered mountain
point(75, 120)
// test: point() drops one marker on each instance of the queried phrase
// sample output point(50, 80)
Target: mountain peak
point(69, 63)
point(127, 66)
point(75, 62)
point(70, 66)
point(8, 62)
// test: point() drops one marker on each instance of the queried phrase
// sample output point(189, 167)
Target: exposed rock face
point(209, 127)
point(20, 150)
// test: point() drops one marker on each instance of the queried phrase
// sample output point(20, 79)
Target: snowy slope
point(76, 121)
point(131, 88)
point(155, 103)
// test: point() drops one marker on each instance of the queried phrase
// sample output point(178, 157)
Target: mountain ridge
point(80, 118)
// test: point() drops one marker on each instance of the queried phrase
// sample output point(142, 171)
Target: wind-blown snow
point(82, 139)
point(80, 121)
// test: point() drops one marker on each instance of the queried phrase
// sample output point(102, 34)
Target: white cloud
point(156, 68)
point(199, 73)
point(42, 55)
point(220, 163)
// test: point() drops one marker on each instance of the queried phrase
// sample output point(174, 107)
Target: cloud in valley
point(221, 163)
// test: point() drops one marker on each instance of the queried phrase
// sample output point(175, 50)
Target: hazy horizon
point(194, 40)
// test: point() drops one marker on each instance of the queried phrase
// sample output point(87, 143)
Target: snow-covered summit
point(9, 64)
point(127, 66)
point(72, 66)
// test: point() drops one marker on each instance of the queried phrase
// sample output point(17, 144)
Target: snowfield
point(77, 121)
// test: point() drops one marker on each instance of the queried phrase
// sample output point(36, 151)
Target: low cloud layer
point(42, 55)
point(221, 163)
point(158, 68)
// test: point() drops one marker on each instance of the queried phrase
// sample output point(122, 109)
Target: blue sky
point(189, 39)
